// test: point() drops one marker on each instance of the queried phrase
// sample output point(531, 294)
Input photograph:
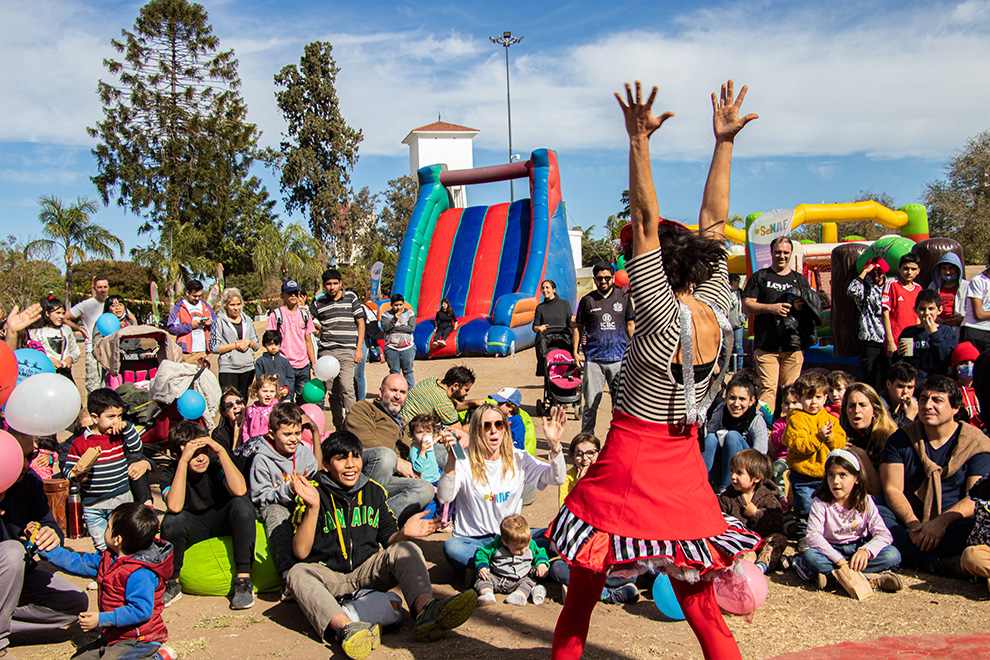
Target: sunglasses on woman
point(498, 424)
point(230, 404)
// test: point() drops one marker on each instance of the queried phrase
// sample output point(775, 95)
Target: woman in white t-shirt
point(487, 485)
point(976, 323)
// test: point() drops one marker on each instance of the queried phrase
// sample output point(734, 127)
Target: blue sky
point(851, 95)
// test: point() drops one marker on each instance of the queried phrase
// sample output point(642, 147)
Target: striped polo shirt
point(337, 319)
point(429, 396)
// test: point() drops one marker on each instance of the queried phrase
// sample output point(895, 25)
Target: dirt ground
point(793, 618)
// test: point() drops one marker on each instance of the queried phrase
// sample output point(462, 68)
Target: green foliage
point(126, 278)
point(320, 149)
point(25, 281)
point(288, 253)
point(175, 256)
point(959, 204)
point(70, 231)
point(174, 145)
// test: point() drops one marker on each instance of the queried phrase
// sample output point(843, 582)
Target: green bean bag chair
point(209, 566)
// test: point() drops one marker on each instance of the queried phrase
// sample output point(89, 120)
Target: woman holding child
point(487, 485)
point(680, 284)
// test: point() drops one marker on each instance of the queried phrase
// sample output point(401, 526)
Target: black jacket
point(366, 523)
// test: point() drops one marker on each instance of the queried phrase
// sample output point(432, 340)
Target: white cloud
point(828, 83)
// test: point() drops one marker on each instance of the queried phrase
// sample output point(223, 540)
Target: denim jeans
point(405, 496)
point(401, 362)
point(596, 376)
point(913, 557)
point(96, 522)
point(560, 572)
point(360, 384)
point(733, 442)
point(815, 559)
point(460, 550)
point(299, 378)
point(737, 349)
point(804, 488)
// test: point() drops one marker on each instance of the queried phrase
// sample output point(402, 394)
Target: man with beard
point(378, 423)
point(442, 398)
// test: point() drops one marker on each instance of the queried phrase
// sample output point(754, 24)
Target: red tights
point(697, 602)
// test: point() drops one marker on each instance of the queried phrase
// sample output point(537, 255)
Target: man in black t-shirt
point(927, 471)
point(206, 496)
point(786, 311)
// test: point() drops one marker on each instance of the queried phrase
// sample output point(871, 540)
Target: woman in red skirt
point(646, 503)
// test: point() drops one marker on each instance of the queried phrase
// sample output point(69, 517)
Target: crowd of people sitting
point(854, 477)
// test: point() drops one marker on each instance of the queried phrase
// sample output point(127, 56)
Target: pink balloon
point(741, 594)
point(316, 414)
point(11, 460)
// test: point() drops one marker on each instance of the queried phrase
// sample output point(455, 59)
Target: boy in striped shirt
point(105, 480)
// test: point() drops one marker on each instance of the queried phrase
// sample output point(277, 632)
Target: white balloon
point(43, 404)
point(326, 368)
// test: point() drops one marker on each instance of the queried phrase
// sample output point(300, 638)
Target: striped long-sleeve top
point(108, 476)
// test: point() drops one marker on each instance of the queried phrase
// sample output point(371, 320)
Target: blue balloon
point(107, 324)
point(664, 598)
point(31, 362)
point(191, 405)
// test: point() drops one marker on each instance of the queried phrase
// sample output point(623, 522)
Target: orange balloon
point(621, 278)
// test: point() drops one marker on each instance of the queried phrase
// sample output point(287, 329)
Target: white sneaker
point(538, 595)
point(516, 598)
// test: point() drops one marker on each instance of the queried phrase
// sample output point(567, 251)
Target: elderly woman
point(867, 425)
point(487, 485)
point(646, 503)
point(234, 339)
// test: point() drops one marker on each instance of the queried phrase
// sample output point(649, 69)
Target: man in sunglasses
point(606, 319)
point(31, 598)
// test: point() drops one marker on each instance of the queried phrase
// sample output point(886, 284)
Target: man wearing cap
point(787, 310)
point(295, 325)
point(606, 318)
point(341, 321)
point(509, 399)
point(398, 323)
point(189, 320)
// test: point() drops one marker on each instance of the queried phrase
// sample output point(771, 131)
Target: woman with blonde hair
point(487, 484)
point(867, 424)
point(235, 340)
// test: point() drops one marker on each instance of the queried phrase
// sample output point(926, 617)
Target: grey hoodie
point(225, 332)
point(962, 301)
point(270, 472)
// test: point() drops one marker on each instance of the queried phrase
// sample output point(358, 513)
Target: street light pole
point(507, 40)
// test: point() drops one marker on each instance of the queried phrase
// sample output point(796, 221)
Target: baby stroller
point(561, 374)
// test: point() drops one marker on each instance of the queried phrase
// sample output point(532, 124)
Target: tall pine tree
point(320, 149)
point(174, 146)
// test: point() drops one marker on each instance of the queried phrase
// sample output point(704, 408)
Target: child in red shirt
point(898, 301)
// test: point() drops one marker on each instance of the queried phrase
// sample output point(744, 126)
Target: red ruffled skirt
point(646, 503)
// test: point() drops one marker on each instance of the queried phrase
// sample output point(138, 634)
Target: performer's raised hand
point(725, 112)
point(640, 121)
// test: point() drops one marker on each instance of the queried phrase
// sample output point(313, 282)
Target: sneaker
point(766, 554)
point(538, 595)
point(487, 598)
point(358, 639)
point(6, 654)
point(802, 545)
point(165, 653)
point(885, 581)
point(444, 614)
point(627, 593)
point(785, 563)
point(949, 567)
point(791, 528)
point(286, 595)
point(516, 598)
point(242, 596)
point(173, 592)
point(822, 581)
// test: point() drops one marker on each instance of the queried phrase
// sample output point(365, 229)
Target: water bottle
point(75, 528)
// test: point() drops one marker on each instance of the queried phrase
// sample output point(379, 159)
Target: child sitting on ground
point(271, 362)
point(205, 497)
point(810, 435)
point(898, 394)
point(838, 381)
point(266, 393)
point(845, 527)
point(102, 469)
point(777, 449)
point(277, 458)
point(424, 460)
point(734, 425)
point(347, 539)
point(752, 498)
point(928, 345)
point(130, 574)
point(506, 564)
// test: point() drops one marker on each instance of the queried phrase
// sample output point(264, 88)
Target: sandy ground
point(793, 618)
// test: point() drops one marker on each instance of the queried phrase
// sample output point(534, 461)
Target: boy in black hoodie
point(346, 538)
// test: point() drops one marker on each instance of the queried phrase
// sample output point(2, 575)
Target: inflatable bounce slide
point(488, 261)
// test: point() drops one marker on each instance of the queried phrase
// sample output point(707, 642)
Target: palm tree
point(70, 229)
point(284, 252)
point(177, 255)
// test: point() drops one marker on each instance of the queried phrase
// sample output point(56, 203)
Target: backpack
point(278, 318)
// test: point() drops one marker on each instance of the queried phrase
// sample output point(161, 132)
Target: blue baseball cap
point(508, 395)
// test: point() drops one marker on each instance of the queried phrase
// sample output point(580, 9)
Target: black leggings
point(241, 382)
point(236, 518)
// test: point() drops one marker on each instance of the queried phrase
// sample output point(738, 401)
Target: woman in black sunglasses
point(646, 503)
point(228, 433)
point(487, 484)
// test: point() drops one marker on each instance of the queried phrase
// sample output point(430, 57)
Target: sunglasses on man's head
point(498, 424)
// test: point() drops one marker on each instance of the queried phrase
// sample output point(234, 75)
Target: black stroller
point(560, 371)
